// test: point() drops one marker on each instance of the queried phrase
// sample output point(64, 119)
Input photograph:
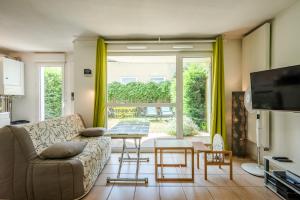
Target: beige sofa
point(23, 175)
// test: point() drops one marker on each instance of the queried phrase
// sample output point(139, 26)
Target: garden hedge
point(194, 102)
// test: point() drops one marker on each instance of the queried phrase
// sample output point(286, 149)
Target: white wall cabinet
point(11, 77)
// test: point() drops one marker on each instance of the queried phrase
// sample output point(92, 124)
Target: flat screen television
point(276, 89)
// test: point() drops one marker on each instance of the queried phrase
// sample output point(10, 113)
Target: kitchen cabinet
point(11, 77)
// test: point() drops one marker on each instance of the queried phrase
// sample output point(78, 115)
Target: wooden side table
point(172, 144)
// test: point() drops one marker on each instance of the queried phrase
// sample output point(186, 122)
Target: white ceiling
point(52, 25)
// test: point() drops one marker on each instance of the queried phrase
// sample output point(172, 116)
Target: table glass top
point(172, 143)
point(125, 135)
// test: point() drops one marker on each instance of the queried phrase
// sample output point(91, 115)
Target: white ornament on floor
point(254, 168)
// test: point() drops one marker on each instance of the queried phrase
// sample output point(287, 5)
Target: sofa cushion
point(46, 133)
point(92, 132)
point(93, 158)
point(63, 150)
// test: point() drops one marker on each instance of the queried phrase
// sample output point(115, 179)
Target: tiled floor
point(218, 186)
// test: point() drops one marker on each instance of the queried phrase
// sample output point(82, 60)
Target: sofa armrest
point(55, 179)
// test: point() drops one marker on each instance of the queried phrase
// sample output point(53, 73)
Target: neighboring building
point(126, 71)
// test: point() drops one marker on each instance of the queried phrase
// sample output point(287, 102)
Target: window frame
point(180, 55)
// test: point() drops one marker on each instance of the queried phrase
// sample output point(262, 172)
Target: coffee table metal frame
point(125, 149)
point(160, 151)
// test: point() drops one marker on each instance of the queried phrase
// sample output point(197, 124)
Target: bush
point(189, 127)
point(138, 92)
point(194, 102)
point(53, 92)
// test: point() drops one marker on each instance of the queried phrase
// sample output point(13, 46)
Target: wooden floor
point(218, 185)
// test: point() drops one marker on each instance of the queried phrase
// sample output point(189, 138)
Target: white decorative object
point(254, 168)
point(11, 77)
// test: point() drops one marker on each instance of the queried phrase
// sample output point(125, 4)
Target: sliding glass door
point(166, 95)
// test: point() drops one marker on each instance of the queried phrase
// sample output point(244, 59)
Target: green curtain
point(218, 123)
point(100, 85)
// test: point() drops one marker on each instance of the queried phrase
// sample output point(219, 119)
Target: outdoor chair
point(151, 112)
point(166, 112)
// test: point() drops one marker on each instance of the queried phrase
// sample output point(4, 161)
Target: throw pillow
point(63, 150)
point(92, 132)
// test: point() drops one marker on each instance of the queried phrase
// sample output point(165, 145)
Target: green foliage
point(189, 127)
point(138, 92)
point(194, 95)
point(53, 92)
point(194, 102)
point(173, 90)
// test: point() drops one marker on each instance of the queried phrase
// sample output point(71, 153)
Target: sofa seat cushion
point(93, 158)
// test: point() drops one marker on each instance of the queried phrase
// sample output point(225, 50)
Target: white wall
point(27, 106)
point(256, 57)
point(285, 52)
point(84, 57)
point(232, 75)
point(68, 84)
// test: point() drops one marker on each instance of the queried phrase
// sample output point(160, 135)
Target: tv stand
point(276, 181)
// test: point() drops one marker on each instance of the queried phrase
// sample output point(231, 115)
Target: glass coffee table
point(163, 145)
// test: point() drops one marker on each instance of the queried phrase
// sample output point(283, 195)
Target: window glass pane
point(146, 80)
point(196, 96)
point(51, 92)
point(141, 79)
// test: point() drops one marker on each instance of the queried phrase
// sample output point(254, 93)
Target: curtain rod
point(158, 41)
